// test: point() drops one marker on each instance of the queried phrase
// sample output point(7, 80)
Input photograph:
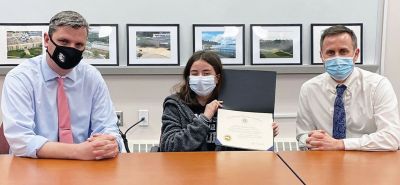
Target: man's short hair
point(337, 30)
point(67, 18)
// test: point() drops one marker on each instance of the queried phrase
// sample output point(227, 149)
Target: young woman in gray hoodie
point(189, 117)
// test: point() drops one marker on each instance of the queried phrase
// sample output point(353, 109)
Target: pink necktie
point(64, 119)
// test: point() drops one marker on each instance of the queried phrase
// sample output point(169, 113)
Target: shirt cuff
point(352, 144)
point(121, 145)
point(34, 146)
point(204, 118)
point(302, 141)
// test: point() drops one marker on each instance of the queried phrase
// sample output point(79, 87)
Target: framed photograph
point(102, 45)
point(227, 40)
point(276, 44)
point(21, 41)
point(318, 29)
point(153, 44)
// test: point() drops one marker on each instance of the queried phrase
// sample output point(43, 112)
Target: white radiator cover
point(281, 144)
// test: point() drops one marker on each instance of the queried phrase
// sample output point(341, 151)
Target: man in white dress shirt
point(346, 108)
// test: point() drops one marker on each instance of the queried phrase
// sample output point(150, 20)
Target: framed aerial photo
point(153, 44)
point(102, 45)
point(276, 44)
point(318, 29)
point(20, 41)
point(227, 40)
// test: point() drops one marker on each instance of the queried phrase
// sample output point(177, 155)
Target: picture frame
point(316, 32)
point(102, 45)
point(21, 41)
point(276, 44)
point(227, 40)
point(153, 44)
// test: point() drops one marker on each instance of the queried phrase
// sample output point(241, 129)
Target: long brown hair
point(183, 90)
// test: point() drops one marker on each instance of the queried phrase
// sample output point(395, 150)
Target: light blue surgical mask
point(202, 85)
point(339, 68)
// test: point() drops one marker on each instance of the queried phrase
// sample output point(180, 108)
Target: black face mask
point(65, 57)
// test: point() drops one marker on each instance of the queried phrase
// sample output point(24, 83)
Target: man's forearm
point(57, 150)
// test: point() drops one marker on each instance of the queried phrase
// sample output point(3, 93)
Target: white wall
point(392, 47)
point(133, 92)
point(190, 12)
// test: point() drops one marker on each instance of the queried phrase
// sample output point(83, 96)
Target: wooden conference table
point(248, 168)
point(342, 168)
point(245, 168)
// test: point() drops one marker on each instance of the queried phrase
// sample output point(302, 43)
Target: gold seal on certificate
point(227, 138)
point(247, 130)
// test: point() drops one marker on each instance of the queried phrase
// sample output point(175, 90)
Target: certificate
point(247, 130)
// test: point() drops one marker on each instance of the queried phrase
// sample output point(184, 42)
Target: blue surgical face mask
point(339, 68)
point(202, 85)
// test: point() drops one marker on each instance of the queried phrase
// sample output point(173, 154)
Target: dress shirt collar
point(49, 74)
point(350, 82)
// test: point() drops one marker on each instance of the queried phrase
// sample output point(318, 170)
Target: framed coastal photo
point(318, 29)
point(227, 40)
point(153, 44)
point(102, 45)
point(21, 41)
point(276, 44)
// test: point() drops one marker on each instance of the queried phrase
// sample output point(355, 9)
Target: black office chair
point(248, 90)
point(155, 149)
point(4, 146)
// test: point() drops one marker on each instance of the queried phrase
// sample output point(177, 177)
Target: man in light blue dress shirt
point(29, 99)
